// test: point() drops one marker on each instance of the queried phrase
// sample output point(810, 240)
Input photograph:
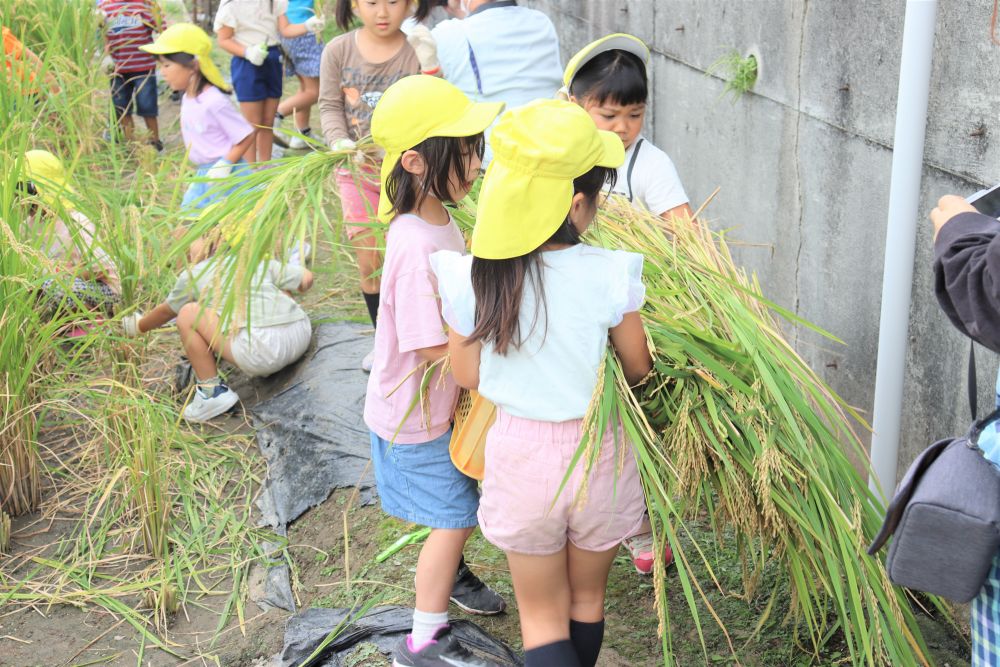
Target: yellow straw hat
point(46, 171)
point(616, 42)
point(538, 150)
point(419, 107)
point(189, 38)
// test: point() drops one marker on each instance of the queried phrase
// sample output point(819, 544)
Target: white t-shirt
point(253, 21)
point(552, 376)
point(654, 184)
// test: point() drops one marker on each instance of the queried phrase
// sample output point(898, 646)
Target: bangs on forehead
point(613, 77)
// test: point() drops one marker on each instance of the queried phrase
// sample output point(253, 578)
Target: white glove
point(130, 324)
point(315, 24)
point(344, 144)
point(422, 41)
point(256, 54)
point(108, 64)
point(102, 16)
point(221, 169)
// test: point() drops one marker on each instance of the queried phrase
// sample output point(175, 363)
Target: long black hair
point(443, 156)
point(614, 76)
point(344, 11)
point(498, 284)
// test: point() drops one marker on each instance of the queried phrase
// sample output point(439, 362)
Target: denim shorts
point(254, 84)
point(302, 55)
point(201, 194)
point(135, 91)
point(419, 483)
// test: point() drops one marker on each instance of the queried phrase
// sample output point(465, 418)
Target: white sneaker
point(297, 144)
point(201, 409)
point(366, 363)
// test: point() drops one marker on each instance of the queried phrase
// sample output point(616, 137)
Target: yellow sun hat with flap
point(48, 174)
point(538, 149)
point(619, 41)
point(419, 107)
point(189, 38)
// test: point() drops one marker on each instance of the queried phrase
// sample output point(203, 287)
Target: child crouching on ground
point(531, 313)
point(215, 135)
point(433, 138)
point(89, 276)
point(278, 335)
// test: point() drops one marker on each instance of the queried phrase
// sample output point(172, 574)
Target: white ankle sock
point(425, 624)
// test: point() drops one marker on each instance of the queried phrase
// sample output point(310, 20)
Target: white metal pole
point(904, 202)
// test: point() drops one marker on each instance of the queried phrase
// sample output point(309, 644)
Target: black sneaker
point(157, 144)
point(473, 596)
point(442, 651)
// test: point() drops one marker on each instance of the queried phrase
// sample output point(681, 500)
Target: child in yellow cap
point(433, 139)
point(215, 135)
point(530, 314)
point(68, 239)
point(608, 79)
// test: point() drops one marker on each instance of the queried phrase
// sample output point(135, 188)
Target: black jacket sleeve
point(967, 276)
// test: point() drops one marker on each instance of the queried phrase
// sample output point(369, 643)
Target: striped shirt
point(130, 25)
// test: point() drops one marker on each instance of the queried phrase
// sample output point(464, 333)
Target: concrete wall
point(804, 162)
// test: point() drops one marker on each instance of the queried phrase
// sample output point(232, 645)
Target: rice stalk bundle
point(732, 423)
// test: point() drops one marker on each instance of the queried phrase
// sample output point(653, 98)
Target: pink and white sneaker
point(640, 549)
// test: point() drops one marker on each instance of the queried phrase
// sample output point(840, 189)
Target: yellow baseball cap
point(189, 38)
point(538, 149)
point(616, 42)
point(419, 107)
point(46, 171)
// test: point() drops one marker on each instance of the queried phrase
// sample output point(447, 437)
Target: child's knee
point(187, 314)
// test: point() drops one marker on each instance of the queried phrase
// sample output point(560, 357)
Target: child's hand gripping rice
point(274, 332)
point(531, 313)
point(433, 138)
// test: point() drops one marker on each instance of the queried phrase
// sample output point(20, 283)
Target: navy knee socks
point(556, 654)
point(371, 301)
point(587, 639)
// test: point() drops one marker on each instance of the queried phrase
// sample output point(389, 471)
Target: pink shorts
point(525, 464)
point(359, 198)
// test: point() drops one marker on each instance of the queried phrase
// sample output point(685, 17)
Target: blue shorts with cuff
point(254, 84)
point(135, 92)
point(419, 483)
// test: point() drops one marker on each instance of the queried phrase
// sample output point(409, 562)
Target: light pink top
point(211, 125)
point(409, 319)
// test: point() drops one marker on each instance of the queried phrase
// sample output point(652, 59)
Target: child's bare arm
point(229, 44)
point(629, 341)
point(240, 149)
point(156, 318)
point(432, 354)
point(464, 360)
point(289, 30)
point(682, 211)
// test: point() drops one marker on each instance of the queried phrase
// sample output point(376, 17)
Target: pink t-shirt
point(211, 125)
point(409, 319)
